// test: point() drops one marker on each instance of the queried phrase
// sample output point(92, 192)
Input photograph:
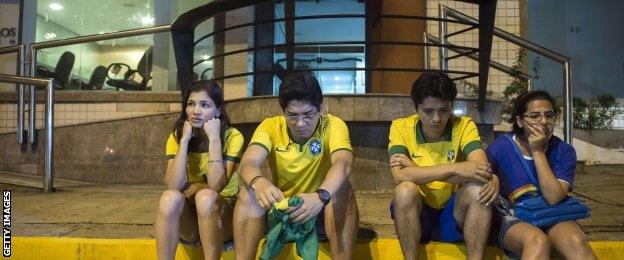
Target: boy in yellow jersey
point(444, 181)
point(309, 155)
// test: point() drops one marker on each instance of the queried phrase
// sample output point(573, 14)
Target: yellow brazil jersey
point(197, 163)
point(301, 168)
point(461, 138)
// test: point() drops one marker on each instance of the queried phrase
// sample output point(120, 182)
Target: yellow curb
point(89, 248)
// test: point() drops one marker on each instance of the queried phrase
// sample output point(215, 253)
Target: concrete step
point(36, 181)
point(88, 248)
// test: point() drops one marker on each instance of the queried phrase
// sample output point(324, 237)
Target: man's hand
point(192, 189)
point(536, 137)
point(212, 128)
point(309, 208)
point(267, 193)
point(401, 160)
point(474, 171)
point(489, 191)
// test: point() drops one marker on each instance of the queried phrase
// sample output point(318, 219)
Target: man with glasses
point(444, 182)
point(309, 155)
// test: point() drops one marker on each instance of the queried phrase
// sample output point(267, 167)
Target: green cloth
point(282, 231)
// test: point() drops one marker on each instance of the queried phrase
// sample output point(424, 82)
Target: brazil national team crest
point(450, 154)
point(315, 147)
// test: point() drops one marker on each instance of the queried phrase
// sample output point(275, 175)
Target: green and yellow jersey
point(301, 168)
point(197, 163)
point(460, 139)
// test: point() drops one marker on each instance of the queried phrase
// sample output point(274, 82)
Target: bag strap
point(526, 167)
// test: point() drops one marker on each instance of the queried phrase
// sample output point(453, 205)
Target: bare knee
point(245, 197)
point(343, 196)
point(539, 244)
point(171, 204)
point(470, 191)
point(247, 204)
point(205, 201)
point(578, 241)
point(407, 194)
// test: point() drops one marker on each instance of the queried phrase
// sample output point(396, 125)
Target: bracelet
point(254, 180)
point(211, 161)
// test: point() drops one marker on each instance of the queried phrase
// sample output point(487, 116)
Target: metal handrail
point(508, 36)
point(11, 49)
point(101, 37)
point(563, 60)
point(330, 16)
point(493, 64)
point(77, 40)
point(48, 181)
point(21, 56)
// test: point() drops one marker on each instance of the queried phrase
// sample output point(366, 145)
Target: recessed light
point(148, 20)
point(336, 78)
point(56, 7)
point(49, 36)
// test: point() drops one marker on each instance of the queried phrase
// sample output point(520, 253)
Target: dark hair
point(300, 86)
point(199, 141)
point(433, 84)
point(520, 105)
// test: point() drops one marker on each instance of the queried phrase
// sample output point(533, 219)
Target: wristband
point(253, 181)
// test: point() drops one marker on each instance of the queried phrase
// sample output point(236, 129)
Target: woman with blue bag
point(536, 172)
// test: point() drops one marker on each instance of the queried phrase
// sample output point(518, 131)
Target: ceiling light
point(206, 57)
point(336, 78)
point(148, 20)
point(49, 36)
point(56, 7)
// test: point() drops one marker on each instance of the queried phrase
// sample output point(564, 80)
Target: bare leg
point(341, 222)
point(214, 216)
point(474, 217)
point(527, 241)
point(174, 219)
point(570, 241)
point(249, 223)
point(408, 206)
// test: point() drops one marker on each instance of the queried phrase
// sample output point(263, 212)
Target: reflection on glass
point(328, 61)
point(108, 65)
point(60, 19)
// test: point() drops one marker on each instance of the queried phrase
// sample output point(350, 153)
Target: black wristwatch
point(324, 196)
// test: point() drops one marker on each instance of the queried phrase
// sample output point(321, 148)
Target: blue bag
point(537, 212)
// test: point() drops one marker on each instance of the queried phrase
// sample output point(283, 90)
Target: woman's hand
point(187, 132)
point(213, 128)
point(536, 137)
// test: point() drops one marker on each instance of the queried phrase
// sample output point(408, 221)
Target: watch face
point(324, 195)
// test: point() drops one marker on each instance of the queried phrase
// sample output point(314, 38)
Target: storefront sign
point(9, 22)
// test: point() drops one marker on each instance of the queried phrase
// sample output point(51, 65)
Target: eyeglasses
point(537, 116)
point(306, 118)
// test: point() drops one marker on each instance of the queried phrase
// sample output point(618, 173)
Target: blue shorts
point(437, 224)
